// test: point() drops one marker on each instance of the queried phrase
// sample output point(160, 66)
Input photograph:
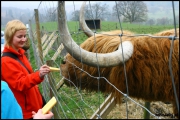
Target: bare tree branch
point(132, 11)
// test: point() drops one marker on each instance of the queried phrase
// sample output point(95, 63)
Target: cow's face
point(83, 76)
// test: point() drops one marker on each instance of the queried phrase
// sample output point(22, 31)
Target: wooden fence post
point(105, 108)
point(52, 84)
point(38, 35)
point(146, 113)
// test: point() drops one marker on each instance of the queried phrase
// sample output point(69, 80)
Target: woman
point(23, 84)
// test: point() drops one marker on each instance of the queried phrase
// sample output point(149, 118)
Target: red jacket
point(23, 85)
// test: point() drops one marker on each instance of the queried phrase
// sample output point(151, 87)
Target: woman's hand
point(40, 115)
point(43, 71)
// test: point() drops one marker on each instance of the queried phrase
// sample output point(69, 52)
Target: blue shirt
point(10, 108)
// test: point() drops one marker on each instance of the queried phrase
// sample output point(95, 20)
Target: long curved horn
point(90, 58)
point(83, 24)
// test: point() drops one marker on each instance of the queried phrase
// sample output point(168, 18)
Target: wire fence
point(76, 103)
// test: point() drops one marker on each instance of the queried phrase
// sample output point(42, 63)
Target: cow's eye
point(63, 61)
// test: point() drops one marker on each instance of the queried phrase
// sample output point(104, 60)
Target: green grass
point(76, 104)
point(107, 26)
point(136, 28)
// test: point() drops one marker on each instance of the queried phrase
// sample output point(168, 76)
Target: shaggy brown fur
point(147, 70)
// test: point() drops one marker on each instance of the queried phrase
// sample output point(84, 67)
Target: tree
point(93, 11)
point(11, 14)
point(97, 11)
point(150, 22)
point(75, 15)
point(163, 21)
point(42, 18)
point(24, 18)
point(132, 11)
point(51, 14)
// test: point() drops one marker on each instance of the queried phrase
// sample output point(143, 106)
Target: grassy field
point(106, 26)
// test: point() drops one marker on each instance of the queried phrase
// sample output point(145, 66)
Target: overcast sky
point(35, 4)
point(21, 4)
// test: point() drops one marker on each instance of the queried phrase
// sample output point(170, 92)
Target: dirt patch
point(160, 109)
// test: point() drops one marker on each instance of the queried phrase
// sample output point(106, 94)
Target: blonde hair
point(11, 28)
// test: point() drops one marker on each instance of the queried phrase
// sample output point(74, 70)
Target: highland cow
point(147, 68)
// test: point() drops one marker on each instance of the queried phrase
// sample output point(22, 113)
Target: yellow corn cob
point(49, 105)
point(54, 69)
